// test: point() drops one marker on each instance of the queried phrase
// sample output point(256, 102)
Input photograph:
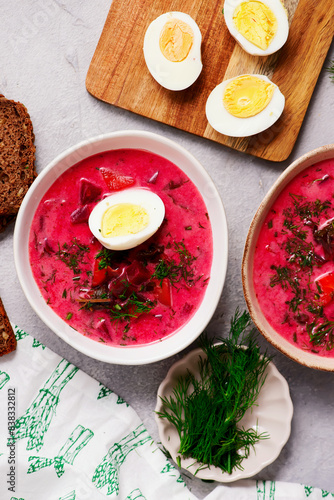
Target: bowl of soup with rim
point(288, 261)
point(141, 301)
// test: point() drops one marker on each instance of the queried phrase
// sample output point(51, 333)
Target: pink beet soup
point(294, 261)
point(127, 297)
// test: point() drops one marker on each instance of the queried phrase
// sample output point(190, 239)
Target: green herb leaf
point(72, 254)
point(206, 410)
point(106, 257)
point(330, 69)
point(322, 334)
point(175, 271)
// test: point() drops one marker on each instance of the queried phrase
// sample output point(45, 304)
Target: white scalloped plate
point(272, 414)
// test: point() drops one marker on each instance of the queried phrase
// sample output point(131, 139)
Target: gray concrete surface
point(46, 48)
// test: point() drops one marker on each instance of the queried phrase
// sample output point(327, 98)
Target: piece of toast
point(17, 158)
point(7, 335)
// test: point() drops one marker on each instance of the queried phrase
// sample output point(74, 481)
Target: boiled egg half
point(244, 105)
point(260, 27)
point(172, 50)
point(126, 219)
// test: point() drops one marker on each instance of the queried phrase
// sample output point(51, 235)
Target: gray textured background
point(46, 48)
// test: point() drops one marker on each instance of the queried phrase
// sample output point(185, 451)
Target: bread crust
point(7, 335)
point(17, 158)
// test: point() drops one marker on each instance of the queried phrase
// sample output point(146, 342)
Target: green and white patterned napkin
point(64, 436)
point(267, 490)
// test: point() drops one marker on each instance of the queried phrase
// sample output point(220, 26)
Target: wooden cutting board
point(118, 73)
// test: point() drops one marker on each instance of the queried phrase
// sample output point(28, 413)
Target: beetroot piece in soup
point(127, 297)
point(294, 261)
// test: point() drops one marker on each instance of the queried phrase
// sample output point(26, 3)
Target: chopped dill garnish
point(72, 254)
point(207, 409)
point(175, 271)
point(52, 277)
point(106, 257)
point(300, 251)
point(322, 334)
point(166, 269)
point(303, 232)
point(131, 307)
point(281, 277)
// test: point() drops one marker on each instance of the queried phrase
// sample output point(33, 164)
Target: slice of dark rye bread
point(7, 335)
point(17, 158)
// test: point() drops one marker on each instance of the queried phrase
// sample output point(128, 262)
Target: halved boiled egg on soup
point(126, 219)
point(244, 105)
point(260, 26)
point(172, 50)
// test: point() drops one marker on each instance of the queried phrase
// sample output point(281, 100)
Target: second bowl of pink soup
point(288, 262)
point(55, 253)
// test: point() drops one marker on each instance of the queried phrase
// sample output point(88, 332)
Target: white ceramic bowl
point(306, 358)
point(272, 414)
point(190, 331)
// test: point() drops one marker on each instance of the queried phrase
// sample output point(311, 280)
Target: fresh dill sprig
point(207, 409)
point(330, 70)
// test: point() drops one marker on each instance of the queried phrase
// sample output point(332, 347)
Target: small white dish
point(272, 415)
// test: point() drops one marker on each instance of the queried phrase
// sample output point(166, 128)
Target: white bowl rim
point(305, 358)
point(147, 353)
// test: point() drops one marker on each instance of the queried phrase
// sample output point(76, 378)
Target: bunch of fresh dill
point(206, 409)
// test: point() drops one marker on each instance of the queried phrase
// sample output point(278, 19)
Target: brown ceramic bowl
point(306, 358)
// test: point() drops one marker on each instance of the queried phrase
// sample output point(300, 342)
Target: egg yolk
point(176, 39)
point(256, 22)
point(247, 96)
point(123, 219)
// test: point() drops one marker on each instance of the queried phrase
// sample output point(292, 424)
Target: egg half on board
point(244, 105)
point(172, 50)
point(260, 27)
point(127, 218)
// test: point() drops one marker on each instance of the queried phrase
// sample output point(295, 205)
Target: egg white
point(225, 123)
point(282, 27)
point(152, 204)
point(172, 75)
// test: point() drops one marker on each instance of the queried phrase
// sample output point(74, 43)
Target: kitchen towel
point(249, 489)
point(65, 436)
